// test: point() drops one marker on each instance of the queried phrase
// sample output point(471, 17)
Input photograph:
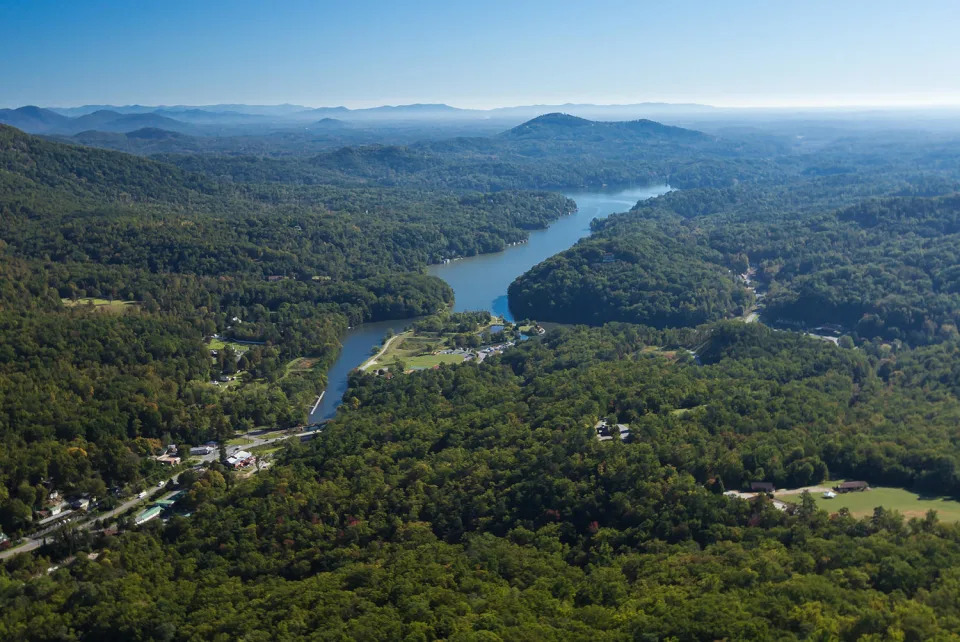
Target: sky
point(486, 54)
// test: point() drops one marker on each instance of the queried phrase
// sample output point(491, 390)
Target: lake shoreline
point(480, 282)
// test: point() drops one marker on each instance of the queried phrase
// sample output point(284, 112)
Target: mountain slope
point(33, 119)
point(36, 120)
point(111, 121)
point(559, 126)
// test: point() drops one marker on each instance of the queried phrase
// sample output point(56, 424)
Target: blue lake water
point(480, 282)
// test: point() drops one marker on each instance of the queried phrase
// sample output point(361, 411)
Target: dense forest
point(184, 258)
point(863, 252)
point(645, 277)
point(474, 502)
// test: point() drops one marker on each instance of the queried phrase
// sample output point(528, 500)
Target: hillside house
point(851, 486)
point(168, 460)
point(607, 432)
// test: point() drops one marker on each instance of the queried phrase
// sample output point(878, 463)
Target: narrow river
point(480, 282)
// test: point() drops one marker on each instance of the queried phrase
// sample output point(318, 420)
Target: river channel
point(480, 282)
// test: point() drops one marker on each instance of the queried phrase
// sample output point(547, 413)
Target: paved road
point(86, 521)
point(37, 539)
point(372, 360)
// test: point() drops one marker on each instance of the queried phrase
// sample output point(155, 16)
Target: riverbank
point(480, 282)
point(419, 349)
point(386, 346)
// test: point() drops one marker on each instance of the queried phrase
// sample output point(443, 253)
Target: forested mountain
point(647, 277)
point(553, 151)
point(45, 121)
point(183, 257)
point(475, 502)
point(33, 119)
point(557, 126)
point(880, 268)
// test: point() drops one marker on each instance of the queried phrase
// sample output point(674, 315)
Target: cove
point(480, 282)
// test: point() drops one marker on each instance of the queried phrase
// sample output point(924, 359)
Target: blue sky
point(479, 54)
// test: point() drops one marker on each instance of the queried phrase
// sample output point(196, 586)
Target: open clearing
point(220, 344)
point(861, 504)
point(430, 360)
point(102, 305)
point(301, 364)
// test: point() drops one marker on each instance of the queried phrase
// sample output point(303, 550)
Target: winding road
point(86, 521)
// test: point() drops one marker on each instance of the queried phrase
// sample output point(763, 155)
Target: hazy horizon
point(816, 55)
point(826, 106)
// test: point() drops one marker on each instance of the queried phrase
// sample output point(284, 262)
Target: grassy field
point(266, 449)
point(430, 360)
point(103, 305)
point(910, 504)
point(220, 344)
point(239, 441)
point(273, 434)
point(416, 350)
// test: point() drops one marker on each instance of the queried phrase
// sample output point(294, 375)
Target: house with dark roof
point(762, 487)
point(851, 486)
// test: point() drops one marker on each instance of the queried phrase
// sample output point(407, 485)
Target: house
point(829, 494)
point(624, 431)
point(606, 432)
point(201, 450)
point(4, 540)
point(169, 500)
point(240, 459)
point(851, 486)
point(274, 277)
point(168, 460)
point(762, 487)
point(81, 503)
point(148, 514)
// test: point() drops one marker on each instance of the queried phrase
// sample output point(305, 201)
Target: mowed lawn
point(430, 360)
point(910, 504)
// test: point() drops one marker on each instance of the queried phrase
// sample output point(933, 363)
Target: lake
point(481, 282)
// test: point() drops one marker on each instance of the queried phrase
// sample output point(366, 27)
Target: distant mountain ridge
point(231, 114)
point(33, 119)
point(351, 125)
point(36, 120)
